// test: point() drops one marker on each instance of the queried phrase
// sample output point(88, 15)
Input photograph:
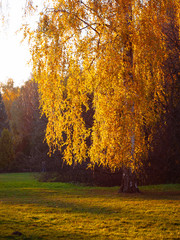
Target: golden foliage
point(113, 49)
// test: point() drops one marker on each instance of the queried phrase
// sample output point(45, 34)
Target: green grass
point(51, 211)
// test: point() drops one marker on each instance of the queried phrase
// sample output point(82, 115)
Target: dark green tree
point(6, 150)
point(3, 115)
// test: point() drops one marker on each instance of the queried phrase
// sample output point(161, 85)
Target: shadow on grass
point(81, 202)
point(160, 195)
point(40, 236)
point(23, 194)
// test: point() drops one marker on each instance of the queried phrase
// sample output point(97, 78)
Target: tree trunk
point(129, 182)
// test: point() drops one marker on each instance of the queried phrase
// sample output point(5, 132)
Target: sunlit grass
point(33, 210)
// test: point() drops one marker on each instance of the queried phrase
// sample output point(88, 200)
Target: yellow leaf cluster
point(113, 50)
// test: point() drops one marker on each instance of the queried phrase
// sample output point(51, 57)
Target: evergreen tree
point(3, 115)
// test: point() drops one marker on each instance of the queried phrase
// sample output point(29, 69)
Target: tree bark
point(129, 182)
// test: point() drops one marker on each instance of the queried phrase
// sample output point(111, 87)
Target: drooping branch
point(76, 16)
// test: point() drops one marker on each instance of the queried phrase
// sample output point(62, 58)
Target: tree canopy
point(113, 51)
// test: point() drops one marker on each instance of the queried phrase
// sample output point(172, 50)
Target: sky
point(14, 55)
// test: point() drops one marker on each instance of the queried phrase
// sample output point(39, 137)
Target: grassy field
point(33, 210)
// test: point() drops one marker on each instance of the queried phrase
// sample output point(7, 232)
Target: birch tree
point(114, 51)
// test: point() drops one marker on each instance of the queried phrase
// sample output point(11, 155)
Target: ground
point(32, 210)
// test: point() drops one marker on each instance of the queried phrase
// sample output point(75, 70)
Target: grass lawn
point(33, 210)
